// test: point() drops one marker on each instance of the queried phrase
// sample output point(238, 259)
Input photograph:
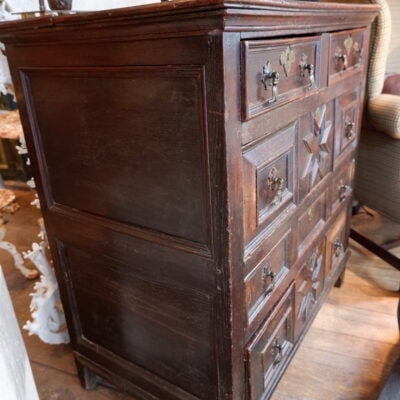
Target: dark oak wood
point(195, 227)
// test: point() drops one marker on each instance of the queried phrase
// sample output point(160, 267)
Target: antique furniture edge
point(237, 15)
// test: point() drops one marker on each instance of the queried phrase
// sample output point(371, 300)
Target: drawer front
point(275, 72)
point(346, 53)
point(347, 120)
point(270, 273)
point(311, 221)
point(342, 185)
point(269, 179)
point(309, 285)
point(337, 242)
point(270, 348)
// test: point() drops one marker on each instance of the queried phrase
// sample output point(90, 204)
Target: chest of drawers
point(194, 163)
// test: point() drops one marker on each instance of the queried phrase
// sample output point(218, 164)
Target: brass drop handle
point(338, 246)
point(276, 184)
point(268, 273)
point(311, 74)
point(342, 192)
point(350, 132)
point(360, 58)
point(358, 51)
point(277, 351)
point(270, 79)
point(342, 59)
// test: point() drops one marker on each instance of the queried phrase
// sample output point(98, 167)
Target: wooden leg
point(89, 379)
point(340, 280)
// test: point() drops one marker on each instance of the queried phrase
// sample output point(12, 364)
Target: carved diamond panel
point(309, 284)
point(316, 147)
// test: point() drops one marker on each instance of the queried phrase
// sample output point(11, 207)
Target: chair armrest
point(384, 113)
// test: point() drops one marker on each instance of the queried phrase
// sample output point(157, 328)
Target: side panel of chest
point(122, 145)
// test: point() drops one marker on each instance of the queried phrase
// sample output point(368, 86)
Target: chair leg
point(376, 249)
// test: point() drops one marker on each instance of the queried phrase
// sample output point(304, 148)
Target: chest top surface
point(273, 17)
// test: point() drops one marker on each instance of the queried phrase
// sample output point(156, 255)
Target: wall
point(393, 64)
point(89, 5)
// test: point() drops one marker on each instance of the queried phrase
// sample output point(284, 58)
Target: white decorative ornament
point(48, 320)
point(6, 85)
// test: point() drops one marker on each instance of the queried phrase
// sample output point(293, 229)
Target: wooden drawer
point(311, 221)
point(291, 66)
point(309, 285)
point(269, 173)
point(337, 242)
point(265, 278)
point(270, 348)
point(347, 120)
point(342, 185)
point(346, 53)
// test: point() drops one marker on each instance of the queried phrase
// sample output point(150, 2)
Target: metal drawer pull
point(267, 273)
point(304, 66)
point(350, 129)
point(341, 59)
point(277, 351)
point(276, 184)
point(270, 79)
point(338, 246)
point(342, 192)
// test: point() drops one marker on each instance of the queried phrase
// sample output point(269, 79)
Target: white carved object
point(6, 85)
point(16, 379)
point(48, 320)
point(8, 204)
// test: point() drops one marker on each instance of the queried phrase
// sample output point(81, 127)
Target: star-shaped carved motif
point(312, 281)
point(317, 145)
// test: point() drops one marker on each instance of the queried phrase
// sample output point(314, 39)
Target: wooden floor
point(346, 355)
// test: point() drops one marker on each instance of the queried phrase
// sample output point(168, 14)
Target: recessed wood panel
point(270, 348)
point(342, 187)
point(262, 281)
point(269, 178)
point(311, 221)
point(125, 143)
point(316, 147)
point(162, 328)
point(309, 285)
point(337, 242)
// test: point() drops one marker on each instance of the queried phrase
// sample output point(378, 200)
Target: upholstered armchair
point(377, 178)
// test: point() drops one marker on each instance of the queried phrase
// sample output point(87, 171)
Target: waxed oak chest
point(194, 162)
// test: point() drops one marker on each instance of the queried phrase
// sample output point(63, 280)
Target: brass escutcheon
point(275, 184)
point(277, 351)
